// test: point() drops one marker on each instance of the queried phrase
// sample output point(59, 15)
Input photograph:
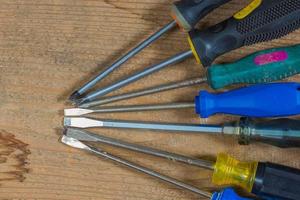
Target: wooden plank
point(50, 47)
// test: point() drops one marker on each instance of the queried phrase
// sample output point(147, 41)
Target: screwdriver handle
point(261, 67)
point(188, 13)
point(263, 100)
point(227, 194)
point(284, 133)
point(229, 171)
point(278, 182)
point(261, 20)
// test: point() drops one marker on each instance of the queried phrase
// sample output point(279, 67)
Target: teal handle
point(261, 67)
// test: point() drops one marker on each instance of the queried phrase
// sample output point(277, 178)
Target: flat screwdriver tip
point(73, 143)
point(82, 122)
point(77, 112)
point(67, 121)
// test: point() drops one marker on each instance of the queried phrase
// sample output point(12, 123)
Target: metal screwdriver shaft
point(80, 145)
point(82, 122)
point(90, 137)
point(144, 92)
point(284, 133)
point(135, 108)
point(185, 13)
point(75, 95)
point(101, 92)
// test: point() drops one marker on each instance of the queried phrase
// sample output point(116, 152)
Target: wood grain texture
point(50, 47)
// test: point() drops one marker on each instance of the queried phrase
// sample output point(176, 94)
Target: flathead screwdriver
point(261, 67)
point(225, 194)
point(134, 108)
point(186, 14)
point(261, 21)
point(266, 180)
point(261, 100)
point(284, 133)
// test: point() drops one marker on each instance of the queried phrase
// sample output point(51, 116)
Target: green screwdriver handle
point(261, 67)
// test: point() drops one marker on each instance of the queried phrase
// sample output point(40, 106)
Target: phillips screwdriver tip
point(74, 96)
point(77, 112)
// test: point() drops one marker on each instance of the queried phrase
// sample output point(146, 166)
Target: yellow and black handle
point(187, 13)
point(266, 180)
point(260, 21)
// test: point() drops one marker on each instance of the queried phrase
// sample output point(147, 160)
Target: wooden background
point(50, 47)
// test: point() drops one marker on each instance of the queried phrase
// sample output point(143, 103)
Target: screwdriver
point(264, 179)
point(133, 108)
point(186, 14)
point(260, 21)
point(283, 133)
point(261, 100)
point(261, 67)
point(144, 92)
point(225, 194)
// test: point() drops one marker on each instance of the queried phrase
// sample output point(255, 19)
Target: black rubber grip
point(192, 11)
point(271, 20)
point(284, 133)
point(278, 182)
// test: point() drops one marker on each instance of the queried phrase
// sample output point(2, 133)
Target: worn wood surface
point(49, 47)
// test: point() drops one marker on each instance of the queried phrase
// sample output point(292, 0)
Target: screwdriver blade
point(77, 112)
point(130, 108)
point(78, 93)
point(77, 144)
point(147, 71)
point(144, 92)
point(91, 137)
point(74, 143)
point(81, 122)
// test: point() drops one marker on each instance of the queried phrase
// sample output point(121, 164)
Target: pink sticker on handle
point(271, 58)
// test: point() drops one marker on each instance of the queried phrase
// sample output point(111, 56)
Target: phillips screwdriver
point(261, 67)
point(284, 133)
point(262, 100)
point(186, 14)
point(144, 92)
point(264, 179)
point(262, 20)
point(225, 194)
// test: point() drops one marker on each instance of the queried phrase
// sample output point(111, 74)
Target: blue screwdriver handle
point(227, 194)
point(263, 100)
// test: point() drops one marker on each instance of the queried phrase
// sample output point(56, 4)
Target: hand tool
point(225, 194)
point(262, 100)
point(144, 92)
point(264, 179)
point(284, 133)
point(186, 14)
point(262, 20)
point(261, 67)
point(135, 108)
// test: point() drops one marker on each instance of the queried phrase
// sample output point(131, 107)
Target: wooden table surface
point(48, 48)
